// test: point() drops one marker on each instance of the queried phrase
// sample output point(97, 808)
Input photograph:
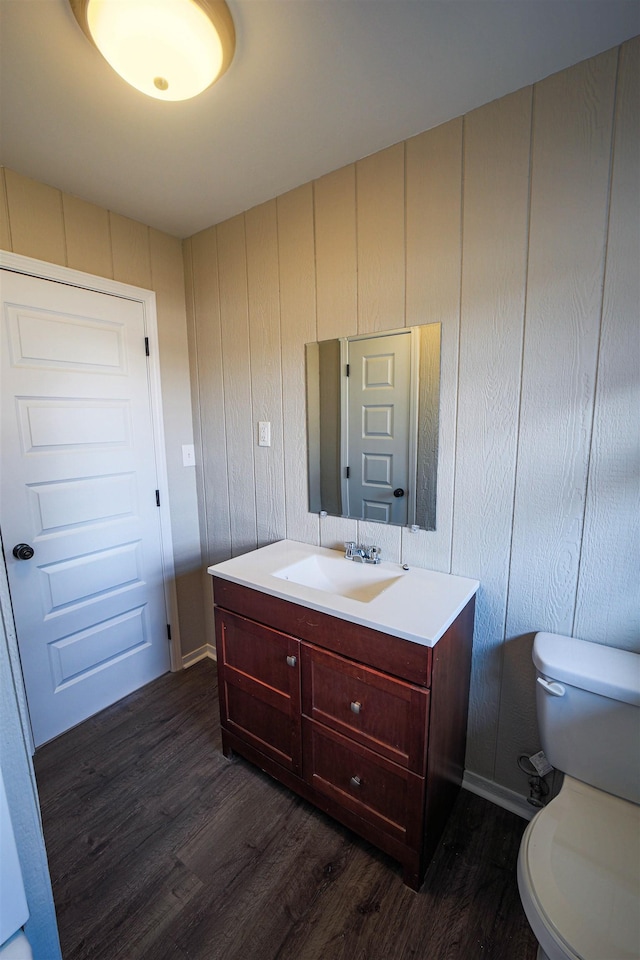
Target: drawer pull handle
point(356, 706)
point(356, 782)
point(292, 661)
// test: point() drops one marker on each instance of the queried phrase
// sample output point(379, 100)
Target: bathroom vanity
point(349, 684)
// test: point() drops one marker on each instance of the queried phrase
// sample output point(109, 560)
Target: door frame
point(147, 298)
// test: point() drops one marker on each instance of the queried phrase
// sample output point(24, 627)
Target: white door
point(379, 426)
point(78, 487)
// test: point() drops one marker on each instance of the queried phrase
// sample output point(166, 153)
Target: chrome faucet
point(360, 553)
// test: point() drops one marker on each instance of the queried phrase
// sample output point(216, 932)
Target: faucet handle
point(349, 549)
point(374, 553)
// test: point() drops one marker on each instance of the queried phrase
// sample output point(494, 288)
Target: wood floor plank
point(161, 849)
point(289, 870)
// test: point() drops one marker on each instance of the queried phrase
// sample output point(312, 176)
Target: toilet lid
point(583, 860)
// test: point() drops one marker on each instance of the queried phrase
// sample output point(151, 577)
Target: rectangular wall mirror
point(372, 426)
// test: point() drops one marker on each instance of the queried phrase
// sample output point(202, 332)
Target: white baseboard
point(206, 651)
point(501, 796)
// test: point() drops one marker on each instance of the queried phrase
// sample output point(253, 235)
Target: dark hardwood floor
point(160, 848)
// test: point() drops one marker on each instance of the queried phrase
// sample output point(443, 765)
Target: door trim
point(76, 278)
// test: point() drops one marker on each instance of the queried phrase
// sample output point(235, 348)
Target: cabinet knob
point(356, 706)
point(292, 661)
point(355, 782)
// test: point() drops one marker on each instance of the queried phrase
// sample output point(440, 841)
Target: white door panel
point(78, 485)
point(379, 387)
point(48, 340)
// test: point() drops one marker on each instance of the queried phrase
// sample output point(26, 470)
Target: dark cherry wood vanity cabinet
point(368, 727)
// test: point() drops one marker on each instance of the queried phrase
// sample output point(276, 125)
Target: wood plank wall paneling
point(504, 242)
point(388, 538)
point(434, 265)
point(381, 240)
point(298, 326)
point(572, 128)
point(200, 265)
point(336, 531)
point(5, 229)
point(263, 285)
point(130, 251)
point(212, 440)
point(36, 218)
point(611, 540)
point(336, 254)
point(236, 373)
point(45, 224)
point(494, 257)
point(88, 236)
point(434, 206)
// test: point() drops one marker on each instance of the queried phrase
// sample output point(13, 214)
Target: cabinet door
point(387, 715)
point(259, 681)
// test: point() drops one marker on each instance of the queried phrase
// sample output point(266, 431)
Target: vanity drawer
point(386, 795)
point(259, 652)
point(408, 661)
point(378, 711)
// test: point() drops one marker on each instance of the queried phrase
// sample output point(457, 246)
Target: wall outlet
point(264, 433)
point(540, 762)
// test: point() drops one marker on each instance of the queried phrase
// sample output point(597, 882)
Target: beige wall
point(517, 227)
point(38, 221)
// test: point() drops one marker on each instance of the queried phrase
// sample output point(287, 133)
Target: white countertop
point(419, 605)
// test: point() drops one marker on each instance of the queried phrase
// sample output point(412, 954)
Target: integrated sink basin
point(338, 576)
point(414, 604)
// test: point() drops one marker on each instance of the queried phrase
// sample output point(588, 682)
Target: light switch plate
point(188, 455)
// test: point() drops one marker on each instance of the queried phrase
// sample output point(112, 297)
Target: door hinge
point(168, 631)
point(146, 345)
point(347, 473)
point(347, 371)
point(157, 498)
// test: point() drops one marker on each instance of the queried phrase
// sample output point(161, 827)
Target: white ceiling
point(314, 85)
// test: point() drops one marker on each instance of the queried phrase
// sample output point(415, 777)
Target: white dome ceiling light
point(168, 49)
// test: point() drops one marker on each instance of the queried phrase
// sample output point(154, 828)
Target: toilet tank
point(588, 701)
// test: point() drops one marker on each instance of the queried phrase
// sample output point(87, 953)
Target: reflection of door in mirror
point(379, 391)
point(387, 436)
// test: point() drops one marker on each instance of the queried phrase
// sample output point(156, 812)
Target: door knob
point(22, 551)
point(398, 492)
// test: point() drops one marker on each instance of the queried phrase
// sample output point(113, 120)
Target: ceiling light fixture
point(168, 49)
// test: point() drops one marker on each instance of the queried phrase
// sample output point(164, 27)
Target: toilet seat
point(579, 875)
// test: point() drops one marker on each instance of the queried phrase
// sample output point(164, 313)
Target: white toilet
point(579, 861)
